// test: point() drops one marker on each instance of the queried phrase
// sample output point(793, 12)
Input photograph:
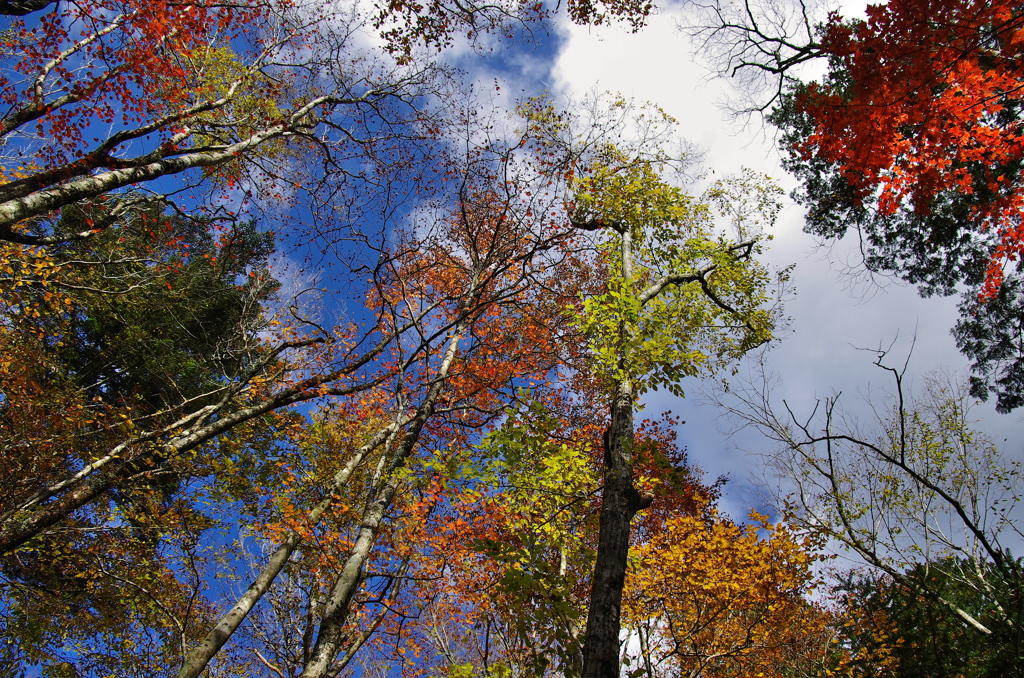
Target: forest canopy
point(318, 362)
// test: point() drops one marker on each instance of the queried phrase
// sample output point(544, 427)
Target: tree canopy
point(916, 631)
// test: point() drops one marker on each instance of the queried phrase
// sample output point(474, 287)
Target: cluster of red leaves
point(930, 106)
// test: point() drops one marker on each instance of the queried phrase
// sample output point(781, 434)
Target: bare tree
point(914, 485)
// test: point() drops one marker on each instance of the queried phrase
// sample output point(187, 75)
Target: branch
point(166, 160)
point(23, 7)
point(745, 249)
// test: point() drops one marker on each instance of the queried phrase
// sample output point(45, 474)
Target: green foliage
point(164, 308)
point(680, 300)
point(129, 328)
point(255, 100)
point(218, 73)
point(546, 477)
point(926, 484)
point(929, 503)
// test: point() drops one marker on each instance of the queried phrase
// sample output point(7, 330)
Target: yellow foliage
point(712, 598)
point(24, 270)
point(245, 100)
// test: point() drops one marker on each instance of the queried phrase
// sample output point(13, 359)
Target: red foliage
point(931, 106)
point(111, 62)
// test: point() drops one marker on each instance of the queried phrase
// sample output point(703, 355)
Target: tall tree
point(121, 337)
point(137, 134)
point(208, 114)
point(474, 293)
point(657, 322)
point(504, 584)
point(678, 302)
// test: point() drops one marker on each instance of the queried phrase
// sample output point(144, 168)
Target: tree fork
point(215, 639)
point(330, 635)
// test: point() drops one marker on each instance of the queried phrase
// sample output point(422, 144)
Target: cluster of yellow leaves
point(877, 657)
point(218, 74)
point(37, 411)
point(717, 305)
point(22, 267)
point(710, 597)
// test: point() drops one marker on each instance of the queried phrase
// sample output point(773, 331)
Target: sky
point(835, 312)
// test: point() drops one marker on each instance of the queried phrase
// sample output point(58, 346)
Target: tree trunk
point(201, 655)
point(620, 502)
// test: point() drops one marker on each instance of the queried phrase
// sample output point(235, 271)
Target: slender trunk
point(331, 633)
point(201, 655)
point(366, 633)
point(229, 623)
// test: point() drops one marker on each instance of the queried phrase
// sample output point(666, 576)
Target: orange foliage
point(503, 578)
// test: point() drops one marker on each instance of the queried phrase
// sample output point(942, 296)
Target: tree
point(634, 353)
point(178, 102)
point(496, 306)
point(168, 335)
point(708, 597)
point(920, 488)
point(505, 580)
point(473, 295)
point(141, 474)
point(910, 140)
point(114, 338)
point(145, 65)
point(464, 374)
point(677, 302)
point(225, 110)
point(138, 326)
